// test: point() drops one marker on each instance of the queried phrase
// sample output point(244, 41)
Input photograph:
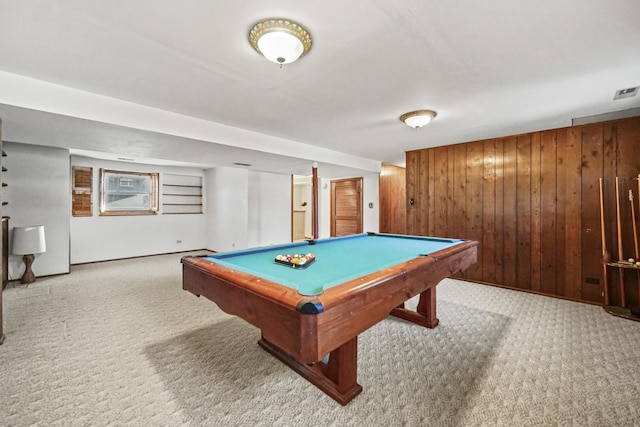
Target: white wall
point(99, 238)
point(38, 194)
point(247, 208)
point(241, 209)
point(371, 194)
point(269, 209)
point(227, 193)
point(324, 208)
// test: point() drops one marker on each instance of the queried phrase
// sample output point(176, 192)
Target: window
point(128, 193)
point(81, 191)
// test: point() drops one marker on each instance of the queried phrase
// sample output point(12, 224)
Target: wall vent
point(626, 93)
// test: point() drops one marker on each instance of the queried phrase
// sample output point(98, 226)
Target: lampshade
point(417, 119)
point(28, 240)
point(280, 40)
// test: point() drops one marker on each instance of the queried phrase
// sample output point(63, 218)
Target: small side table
point(622, 267)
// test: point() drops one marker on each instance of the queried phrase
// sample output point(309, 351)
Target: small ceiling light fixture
point(280, 40)
point(417, 119)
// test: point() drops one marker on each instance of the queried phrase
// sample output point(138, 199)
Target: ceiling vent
point(626, 93)
point(242, 164)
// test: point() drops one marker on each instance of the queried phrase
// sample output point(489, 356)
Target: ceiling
point(168, 82)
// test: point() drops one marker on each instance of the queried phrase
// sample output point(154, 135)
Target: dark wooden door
point(346, 207)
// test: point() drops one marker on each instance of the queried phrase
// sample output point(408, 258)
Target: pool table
point(310, 317)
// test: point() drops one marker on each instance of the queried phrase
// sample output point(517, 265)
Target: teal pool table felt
point(338, 260)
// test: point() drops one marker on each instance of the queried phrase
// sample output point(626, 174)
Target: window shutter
point(81, 192)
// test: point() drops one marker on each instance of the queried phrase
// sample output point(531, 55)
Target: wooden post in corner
point(623, 302)
point(606, 257)
point(314, 210)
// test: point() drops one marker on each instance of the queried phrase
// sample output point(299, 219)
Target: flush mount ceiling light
point(280, 40)
point(417, 119)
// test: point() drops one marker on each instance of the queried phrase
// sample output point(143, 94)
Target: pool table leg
point(425, 313)
point(337, 377)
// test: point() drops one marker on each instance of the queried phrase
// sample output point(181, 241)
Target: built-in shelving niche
point(181, 194)
point(4, 184)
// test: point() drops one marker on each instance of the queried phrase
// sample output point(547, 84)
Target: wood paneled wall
point(532, 201)
point(393, 212)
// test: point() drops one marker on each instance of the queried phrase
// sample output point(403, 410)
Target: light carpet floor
point(120, 343)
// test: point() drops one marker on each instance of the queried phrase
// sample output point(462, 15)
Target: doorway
point(301, 208)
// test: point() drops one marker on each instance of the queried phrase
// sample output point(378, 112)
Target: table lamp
point(28, 241)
